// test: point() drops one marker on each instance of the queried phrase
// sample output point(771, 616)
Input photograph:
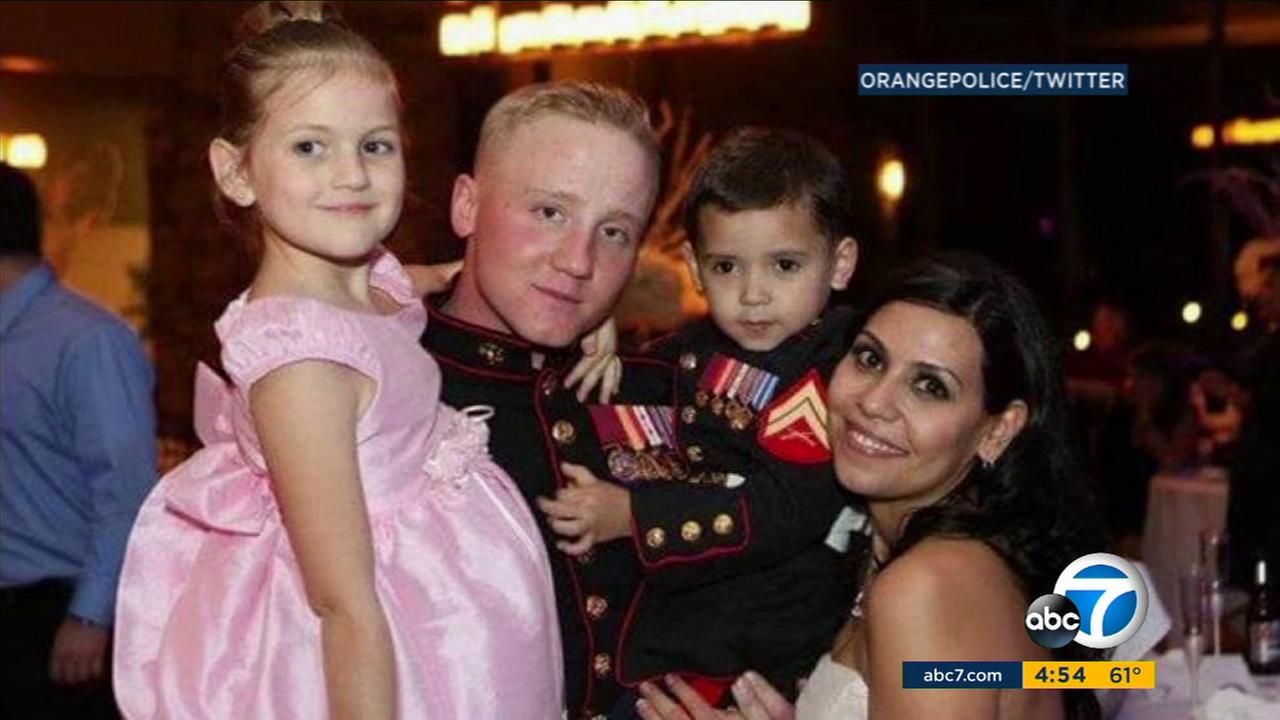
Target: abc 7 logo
point(1099, 601)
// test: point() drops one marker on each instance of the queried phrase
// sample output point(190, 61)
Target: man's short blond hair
point(587, 101)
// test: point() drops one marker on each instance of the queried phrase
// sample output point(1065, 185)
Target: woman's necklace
point(856, 611)
point(873, 567)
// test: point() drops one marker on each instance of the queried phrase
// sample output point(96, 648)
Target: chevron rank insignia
point(794, 427)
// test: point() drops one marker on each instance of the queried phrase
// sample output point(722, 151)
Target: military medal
point(653, 467)
point(735, 390)
point(637, 440)
point(677, 468)
point(623, 464)
point(739, 415)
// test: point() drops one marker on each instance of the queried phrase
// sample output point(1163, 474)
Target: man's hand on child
point(587, 512)
point(599, 364)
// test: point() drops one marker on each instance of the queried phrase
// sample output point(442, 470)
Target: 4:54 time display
point(1061, 674)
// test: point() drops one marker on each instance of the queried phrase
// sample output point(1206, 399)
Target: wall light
point(1082, 340)
point(24, 64)
point(482, 30)
point(1191, 313)
point(1241, 131)
point(891, 180)
point(25, 150)
point(1240, 321)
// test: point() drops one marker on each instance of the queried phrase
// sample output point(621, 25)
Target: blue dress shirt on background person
point(77, 441)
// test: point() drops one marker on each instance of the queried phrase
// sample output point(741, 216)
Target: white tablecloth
point(1179, 508)
point(1227, 692)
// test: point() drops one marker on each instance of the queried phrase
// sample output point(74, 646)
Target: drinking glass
point(1213, 557)
point(1193, 601)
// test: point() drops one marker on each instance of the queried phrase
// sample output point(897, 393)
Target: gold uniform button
point(563, 432)
point(602, 664)
point(689, 414)
point(655, 538)
point(691, 531)
point(596, 607)
point(689, 361)
point(722, 525)
point(694, 452)
point(492, 353)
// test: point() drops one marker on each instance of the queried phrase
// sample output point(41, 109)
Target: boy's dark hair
point(760, 168)
point(20, 208)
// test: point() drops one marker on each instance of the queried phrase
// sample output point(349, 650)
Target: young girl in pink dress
point(342, 546)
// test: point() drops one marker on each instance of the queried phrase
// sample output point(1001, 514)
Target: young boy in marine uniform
point(745, 551)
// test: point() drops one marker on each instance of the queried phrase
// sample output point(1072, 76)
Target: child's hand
point(588, 512)
point(599, 363)
point(431, 279)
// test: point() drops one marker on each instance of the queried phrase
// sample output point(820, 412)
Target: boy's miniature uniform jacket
point(745, 565)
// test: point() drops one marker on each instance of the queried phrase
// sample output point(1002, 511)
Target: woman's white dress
point(833, 692)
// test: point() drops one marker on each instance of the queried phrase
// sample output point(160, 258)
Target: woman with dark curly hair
point(948, 417)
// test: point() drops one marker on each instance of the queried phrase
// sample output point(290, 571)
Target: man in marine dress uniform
point(565, 177)
point(564, 180)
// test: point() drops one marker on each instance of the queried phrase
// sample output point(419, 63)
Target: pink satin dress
point(212, 619)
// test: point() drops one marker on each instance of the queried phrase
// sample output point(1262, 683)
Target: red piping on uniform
point(644, 361)
point(656, 343)
point(491, 374)
point(621, 654)
point(572, 562)
point(464, 325)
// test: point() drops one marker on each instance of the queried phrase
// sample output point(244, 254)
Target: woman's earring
point(985, 463)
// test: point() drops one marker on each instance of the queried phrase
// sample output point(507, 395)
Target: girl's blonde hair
point(278, 41)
